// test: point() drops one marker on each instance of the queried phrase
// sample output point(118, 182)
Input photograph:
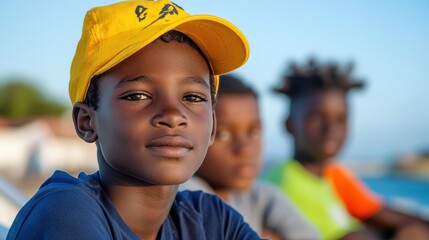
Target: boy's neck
point(314, 166)
point(143, 208)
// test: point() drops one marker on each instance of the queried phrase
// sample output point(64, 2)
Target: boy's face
point(234, 159)
point(155, 119)
point(319, 123)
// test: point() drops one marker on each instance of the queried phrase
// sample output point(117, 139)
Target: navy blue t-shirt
point(66, 207)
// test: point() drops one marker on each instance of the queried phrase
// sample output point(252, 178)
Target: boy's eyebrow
point(197, 80)
point(136, 79)
point(187, 80)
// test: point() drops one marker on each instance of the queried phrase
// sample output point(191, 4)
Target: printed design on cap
point(168, 9)
point(141, 10)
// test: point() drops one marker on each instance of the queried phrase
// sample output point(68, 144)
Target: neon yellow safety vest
point(315, 198)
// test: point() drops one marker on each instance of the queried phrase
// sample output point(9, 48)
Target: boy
point(327, 194)
point(233, 163)
point(149, 109)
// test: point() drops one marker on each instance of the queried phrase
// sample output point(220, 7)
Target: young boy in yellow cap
point(143, 84)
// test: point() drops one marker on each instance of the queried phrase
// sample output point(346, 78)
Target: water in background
point(405, 193)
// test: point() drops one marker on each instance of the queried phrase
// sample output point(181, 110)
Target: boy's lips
point(170, 146)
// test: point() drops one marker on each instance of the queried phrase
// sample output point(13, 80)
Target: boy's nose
point(332, 128)
point(170, 118)
point(243, 147)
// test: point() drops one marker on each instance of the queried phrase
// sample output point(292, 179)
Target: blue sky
point(387, 40)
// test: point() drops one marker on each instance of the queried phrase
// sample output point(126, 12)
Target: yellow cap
point(113, 33)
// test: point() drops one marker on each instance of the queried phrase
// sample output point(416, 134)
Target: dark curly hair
point(231, 84)
point(91, 98)
point(300, 80)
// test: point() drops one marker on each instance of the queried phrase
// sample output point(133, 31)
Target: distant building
point(413, 164)
point(42, 145)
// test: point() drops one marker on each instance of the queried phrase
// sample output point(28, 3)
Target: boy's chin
point(330, 150)
point(324, 154)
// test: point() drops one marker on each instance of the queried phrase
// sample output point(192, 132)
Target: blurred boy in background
point(329, 195)
point(233, 163)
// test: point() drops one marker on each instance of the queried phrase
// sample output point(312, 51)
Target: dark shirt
point(66, 207)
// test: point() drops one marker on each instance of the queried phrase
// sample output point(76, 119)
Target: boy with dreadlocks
point(329, 195)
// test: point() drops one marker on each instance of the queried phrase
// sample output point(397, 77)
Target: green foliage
point(19, 99)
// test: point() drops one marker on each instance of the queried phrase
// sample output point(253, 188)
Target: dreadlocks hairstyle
point(231, 84)
point(91, 98)
point(316, 76)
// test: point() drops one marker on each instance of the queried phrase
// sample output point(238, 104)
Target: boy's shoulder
point(63, 207)
point(207, 215)
point(201, 206)
point(63, 188)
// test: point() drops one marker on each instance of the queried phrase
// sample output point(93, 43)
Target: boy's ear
point(84, 119)
point(213, 133)
point(289, 126)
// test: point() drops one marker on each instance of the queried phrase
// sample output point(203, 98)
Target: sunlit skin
point(153, 126)
point(233, 161)
point(319, 127)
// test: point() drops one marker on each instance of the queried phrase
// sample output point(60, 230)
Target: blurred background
point(388, 145)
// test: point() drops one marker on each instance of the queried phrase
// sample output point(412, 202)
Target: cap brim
point(224, 44)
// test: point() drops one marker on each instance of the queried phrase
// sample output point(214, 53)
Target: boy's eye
point(135, 96)
point(342, 119)
point(194, 98)
point(255, 133)
point(223, 135)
